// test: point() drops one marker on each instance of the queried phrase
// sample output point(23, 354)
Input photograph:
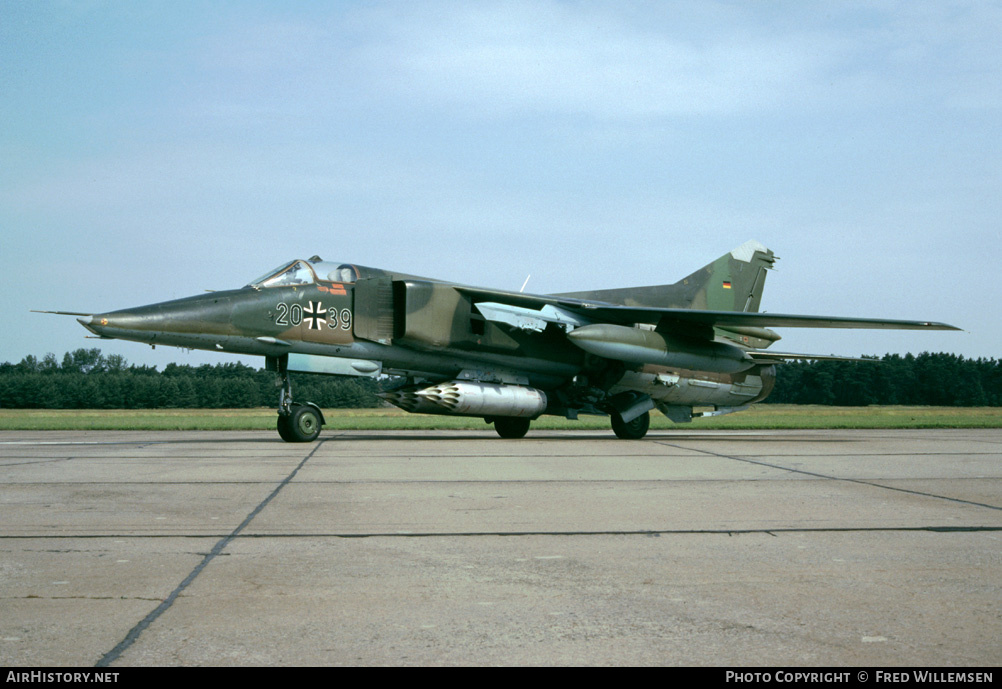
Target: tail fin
point(734, 282)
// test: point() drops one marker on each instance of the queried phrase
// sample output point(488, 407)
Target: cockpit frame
point(301, 272)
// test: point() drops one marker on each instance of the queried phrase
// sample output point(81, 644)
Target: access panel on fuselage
point(374, 312)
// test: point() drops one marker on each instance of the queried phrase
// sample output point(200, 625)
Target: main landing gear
point(511, 427)
point(297, 423)
point(632, 430)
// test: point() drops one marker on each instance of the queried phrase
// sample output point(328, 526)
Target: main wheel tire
point(511, 427)
point(301, 426)
point(285, 428)
point(634, 430)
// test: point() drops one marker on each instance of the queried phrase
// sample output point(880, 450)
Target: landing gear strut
point(297, 423)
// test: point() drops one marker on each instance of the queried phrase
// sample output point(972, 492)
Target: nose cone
point(204, 314)
point(86, 322)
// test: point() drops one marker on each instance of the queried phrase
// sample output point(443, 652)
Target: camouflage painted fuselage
point(503, 355)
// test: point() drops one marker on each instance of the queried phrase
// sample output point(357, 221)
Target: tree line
point(86, 379)
point(938, 379)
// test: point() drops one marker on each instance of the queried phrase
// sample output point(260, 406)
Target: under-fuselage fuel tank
point(638, 346)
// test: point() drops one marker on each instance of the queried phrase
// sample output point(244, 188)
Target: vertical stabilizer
point(733, 282)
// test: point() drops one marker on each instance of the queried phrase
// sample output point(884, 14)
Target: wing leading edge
point(602, 312)
point(724, 319)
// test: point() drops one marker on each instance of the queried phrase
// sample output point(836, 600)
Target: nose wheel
point(302, 425)
point(297, 423)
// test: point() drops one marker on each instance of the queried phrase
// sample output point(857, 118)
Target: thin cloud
point(549, 59)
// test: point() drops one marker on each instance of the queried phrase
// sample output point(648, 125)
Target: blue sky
point(152, 150)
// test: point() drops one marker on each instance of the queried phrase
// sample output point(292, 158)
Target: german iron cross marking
point(315, 314)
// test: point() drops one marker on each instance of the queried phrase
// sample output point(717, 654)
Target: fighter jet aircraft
point(507, 357)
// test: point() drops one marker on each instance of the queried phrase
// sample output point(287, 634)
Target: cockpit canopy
point(306, 273)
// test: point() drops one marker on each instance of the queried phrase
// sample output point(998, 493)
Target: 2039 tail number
point(292, 314)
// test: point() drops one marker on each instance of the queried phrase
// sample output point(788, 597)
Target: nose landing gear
point(297, 422)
